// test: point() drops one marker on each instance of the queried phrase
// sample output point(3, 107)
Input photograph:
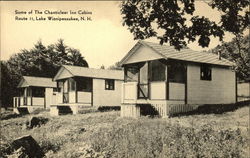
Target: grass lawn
point(105, 134)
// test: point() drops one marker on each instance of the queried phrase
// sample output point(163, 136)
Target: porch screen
point(157, 71)
point(38, 92)
point(143, 81)
point(131, 74)
point(144, 74)
point(65, 86)
point(72, 84)
point(177, 72)
point(59, 86)
point(84, 84)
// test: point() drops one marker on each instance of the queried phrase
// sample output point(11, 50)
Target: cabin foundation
point(161, 110)
point(25, 109)
point(57, 110)
point(130, 110)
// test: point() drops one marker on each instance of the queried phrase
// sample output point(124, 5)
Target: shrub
point(8, 115)
point(109, 108)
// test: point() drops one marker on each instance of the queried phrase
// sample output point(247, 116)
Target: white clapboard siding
point(220, 90)
point(158, 90)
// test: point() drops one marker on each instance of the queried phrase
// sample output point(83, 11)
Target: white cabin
point(80, 87)
point(35, 92)
point(164, 81)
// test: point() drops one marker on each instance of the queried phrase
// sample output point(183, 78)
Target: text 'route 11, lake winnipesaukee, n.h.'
point(53, 15)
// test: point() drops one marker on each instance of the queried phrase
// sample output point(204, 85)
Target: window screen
point(157, 71)
point(176, 72)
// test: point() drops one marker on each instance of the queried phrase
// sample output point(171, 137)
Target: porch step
point(22, 110)
point(148, 110)
point(63, 110)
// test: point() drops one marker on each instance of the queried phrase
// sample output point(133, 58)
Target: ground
point(105, 134)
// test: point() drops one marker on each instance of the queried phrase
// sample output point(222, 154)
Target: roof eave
point(133, 50)
point(59, 72)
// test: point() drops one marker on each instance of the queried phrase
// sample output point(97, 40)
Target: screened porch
point(75, 90)
point(156, 80)
point(30, 96)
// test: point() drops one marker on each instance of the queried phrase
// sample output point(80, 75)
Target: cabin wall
point(72, 97)
point(102, 97)
point(220, 90)
point(50, 97)
point(243, 91)
point(84, 97)
point(38, 101)
point(59, 97)
point(176, 91)
point(157, 90)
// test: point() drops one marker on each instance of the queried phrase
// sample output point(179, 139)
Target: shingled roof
point(90, 72)
point(169, 52)
point(28, 81)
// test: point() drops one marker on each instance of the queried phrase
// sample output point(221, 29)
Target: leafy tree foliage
point(145, 18)
point(102, 67)
point(116, 66)
point(39, 61)
point(238, 51)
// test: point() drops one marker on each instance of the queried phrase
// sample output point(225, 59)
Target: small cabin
point(81, 87)
point(34, 92)
point(160, 80)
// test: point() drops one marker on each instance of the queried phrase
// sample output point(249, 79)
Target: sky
point(102, 41)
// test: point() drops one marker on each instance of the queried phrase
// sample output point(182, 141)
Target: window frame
point(205, 68)
point(108, 83)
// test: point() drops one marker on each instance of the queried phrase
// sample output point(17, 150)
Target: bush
point(156, 138)
point(109, 108)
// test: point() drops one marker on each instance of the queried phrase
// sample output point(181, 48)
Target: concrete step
point(62, 110)
point(23, 110)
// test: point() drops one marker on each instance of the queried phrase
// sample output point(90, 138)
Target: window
point(109, 84)
point(54, 91)
point(206, 72)
point(157, 71)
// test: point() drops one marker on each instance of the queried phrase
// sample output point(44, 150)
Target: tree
point(7, 90)
point(116, 66)
point(238, 51)
point(102, 67)
point(39, 61)
point(144, 18)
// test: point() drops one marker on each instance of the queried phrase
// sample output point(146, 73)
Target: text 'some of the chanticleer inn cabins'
point(51, 15)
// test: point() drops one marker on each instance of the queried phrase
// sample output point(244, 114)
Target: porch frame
point(166, 80)
point(75, 91)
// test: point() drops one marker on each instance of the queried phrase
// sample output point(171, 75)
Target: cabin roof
point(90, 72)
point(28, 81)
point(186, 54)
